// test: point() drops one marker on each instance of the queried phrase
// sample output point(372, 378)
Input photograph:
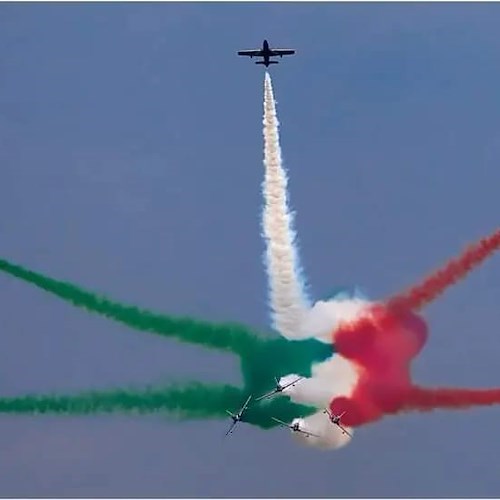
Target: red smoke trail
point(382, 344)
point(429, 399)
point(435, 284)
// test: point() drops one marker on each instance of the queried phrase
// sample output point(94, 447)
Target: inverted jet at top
point(266, 53)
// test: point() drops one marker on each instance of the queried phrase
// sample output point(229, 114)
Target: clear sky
point(131, 160)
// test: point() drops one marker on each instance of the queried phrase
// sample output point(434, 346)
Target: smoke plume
point(434, 285)
point(287, 294)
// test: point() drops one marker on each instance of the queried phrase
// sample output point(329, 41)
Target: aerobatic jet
point(266, 53)
point(237, 417)
point(279, 388)
point(335, 419)
point(295, 427)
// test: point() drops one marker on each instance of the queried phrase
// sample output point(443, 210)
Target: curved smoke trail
point(434, 285)
point(287, 294)
point(261, 358)
point(382, 344)
point(223, 336)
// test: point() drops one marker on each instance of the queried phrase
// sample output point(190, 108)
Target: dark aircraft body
point(237, 417)
point(266, 53)
point(335, 419)
point(279, 388)
point(295, 427)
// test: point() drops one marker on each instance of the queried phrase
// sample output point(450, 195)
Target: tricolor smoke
point(292, 315)
point(371, 375)
point(375, 343)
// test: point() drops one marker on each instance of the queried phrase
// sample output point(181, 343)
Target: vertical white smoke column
point(287, 294)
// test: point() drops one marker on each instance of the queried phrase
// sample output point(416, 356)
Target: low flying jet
point(279, 388)
point(335, 419)
point(266, 53)
point(294, 427)
point(237, 417)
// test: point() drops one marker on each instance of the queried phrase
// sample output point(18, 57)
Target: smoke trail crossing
point(376, 342)
point(382, 344)
point(261, 358)
point(288, 298)
point(434, 285)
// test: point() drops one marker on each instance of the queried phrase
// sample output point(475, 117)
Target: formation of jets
point(295, 427)
point(266, 53)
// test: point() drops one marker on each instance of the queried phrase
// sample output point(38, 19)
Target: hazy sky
point(131, 160)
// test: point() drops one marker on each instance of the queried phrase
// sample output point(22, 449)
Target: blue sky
point(131, 153)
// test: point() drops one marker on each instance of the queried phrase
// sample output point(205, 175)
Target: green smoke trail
point(224, 336)
point(196, 400)
point(192, 400)
point(186, 402)
point(269, 358)
point(261, 360)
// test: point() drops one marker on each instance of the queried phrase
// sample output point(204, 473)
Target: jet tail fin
point(270, 62)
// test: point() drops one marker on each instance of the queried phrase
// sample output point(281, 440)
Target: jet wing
point(284, 424)
point(292, 383)
point(265, 396)
point(246, 404)
point(307, 433)
point(231, 428)
point(250, 53)
point(345, 431)
point(282, 52)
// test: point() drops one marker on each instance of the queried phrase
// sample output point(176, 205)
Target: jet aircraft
point(335, 419)
point(266, 53)
point(279, 388)
point(294, 427)
point(237, 417)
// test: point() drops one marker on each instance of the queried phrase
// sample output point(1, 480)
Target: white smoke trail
point(287, 295)
point(293, 316)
